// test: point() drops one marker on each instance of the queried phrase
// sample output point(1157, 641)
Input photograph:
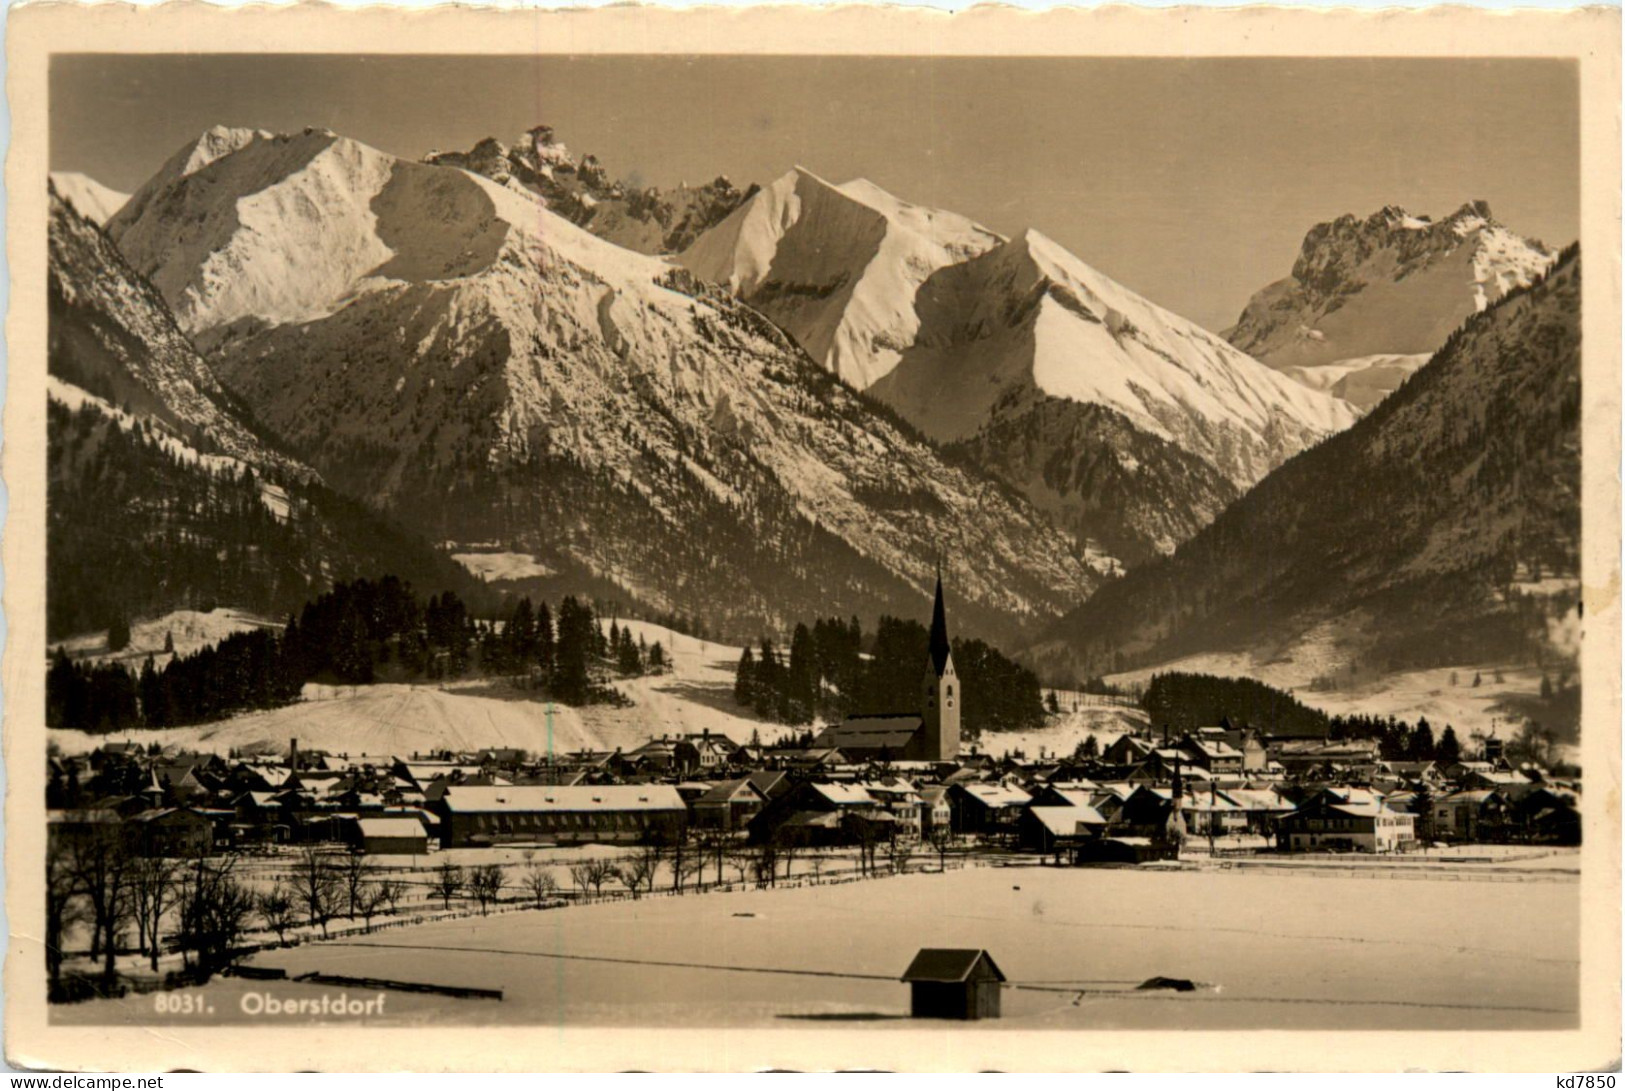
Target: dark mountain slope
point(163, 493)
point(1444, 526)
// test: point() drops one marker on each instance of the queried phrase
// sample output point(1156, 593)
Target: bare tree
point(485, 883)
point(691, 866)
point(900, 852)
point(390, 893)
point(215, 909)
point(103, 868)
point(63, 906)
point(942, 843)
point(638, 872)
point(153, 891)
point(540, 882)
point(354, 873)
point(317, 887)
point(367, 902)
point(599, 872)
point(581, 875)
point(743, 859)
point(448, 882)
point(277, 910)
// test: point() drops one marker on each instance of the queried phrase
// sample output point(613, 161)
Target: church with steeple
point(930, 733)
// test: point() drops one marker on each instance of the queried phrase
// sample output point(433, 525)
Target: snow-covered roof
point(547, 797)
point(390, 827)
point(844, 795)
point(1064, 821)
point(998, 795)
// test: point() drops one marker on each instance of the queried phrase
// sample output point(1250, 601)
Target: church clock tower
point(941, 696)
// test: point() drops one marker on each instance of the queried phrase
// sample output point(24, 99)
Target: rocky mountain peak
point(1391, 284)
point(583, 191)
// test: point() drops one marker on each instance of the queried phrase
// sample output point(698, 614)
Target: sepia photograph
point(848, 544)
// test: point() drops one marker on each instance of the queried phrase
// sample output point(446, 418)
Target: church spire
point(939, 630)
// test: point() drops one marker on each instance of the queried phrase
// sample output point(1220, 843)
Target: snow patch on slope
point(94, 201)
point(837, 266)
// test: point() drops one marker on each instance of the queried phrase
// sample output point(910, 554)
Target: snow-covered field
point(1325, 654)
point(1063, 734)
point(502, 566)
point(695, 695)
point(1284, 951)
point(190, 629)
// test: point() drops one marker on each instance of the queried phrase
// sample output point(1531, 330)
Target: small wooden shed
point(953, 983)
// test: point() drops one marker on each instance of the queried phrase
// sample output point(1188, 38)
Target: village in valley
point(171, 864)
point(491, 583)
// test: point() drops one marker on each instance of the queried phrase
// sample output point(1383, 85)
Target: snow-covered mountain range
point(990, 342)
point(1368, 300)
point(443, 345)
point(1443, 528)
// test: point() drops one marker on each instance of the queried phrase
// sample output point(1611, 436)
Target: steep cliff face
point(445, 346)
point(641, 218)
point(1363, 292)
point(1443, 526)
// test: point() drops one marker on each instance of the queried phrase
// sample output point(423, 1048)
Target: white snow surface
point(189, 630)
point(1029, 319)
point(1362, 381)
point(502, 566)
point(695, 695)
point(838, 266)
point(96, 202)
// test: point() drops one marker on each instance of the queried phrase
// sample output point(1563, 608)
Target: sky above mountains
point(1192, 182)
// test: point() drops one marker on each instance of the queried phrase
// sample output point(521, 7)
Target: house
point(948, 983)
point(820, 813)
point(656, 755)
point(1127, 750)
point(771, 783)
point(728, 806)
point(1247, 742)
point(1208, 749)
point(704, 752)
point(1549, 814)
point(479, 815)
point(389, 835)
point(1470, 815)
point(1307, 755)
point(1261, 808)
point(1053, 830)
point(177, 831)
point(1144, 814)
point(936, 813)
point(902, 801)
point(987, 808)
point(930, 734)
point(1212, 813)
point(1346, 819)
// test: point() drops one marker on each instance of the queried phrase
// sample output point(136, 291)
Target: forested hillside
point(1443, 527)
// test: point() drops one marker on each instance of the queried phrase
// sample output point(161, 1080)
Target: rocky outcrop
point(645, 219)
point(1364, 291)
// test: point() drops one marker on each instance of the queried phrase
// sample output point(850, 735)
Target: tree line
point(825, 673)
point(359, 633)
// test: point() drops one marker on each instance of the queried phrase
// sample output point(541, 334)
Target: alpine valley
point(287, 359)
